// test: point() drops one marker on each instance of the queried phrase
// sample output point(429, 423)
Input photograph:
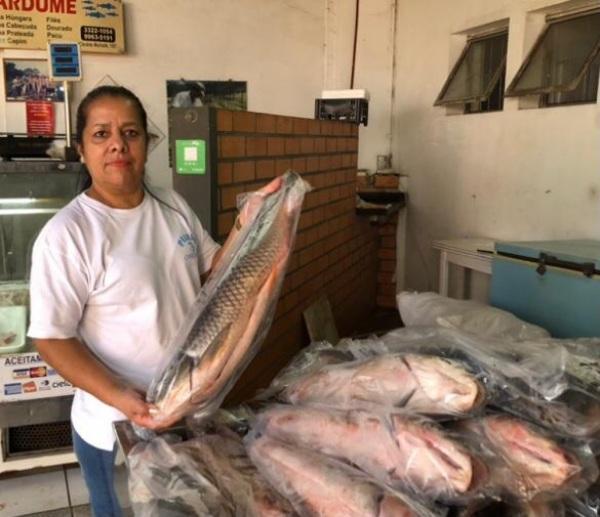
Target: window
point(564, 64)
point(477, 79)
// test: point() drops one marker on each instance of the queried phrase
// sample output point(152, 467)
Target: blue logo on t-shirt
point(190, 243)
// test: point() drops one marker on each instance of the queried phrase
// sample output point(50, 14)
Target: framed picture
point(219, 94)
point(27, 79)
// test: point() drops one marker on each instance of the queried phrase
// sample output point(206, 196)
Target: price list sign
point(97, 25)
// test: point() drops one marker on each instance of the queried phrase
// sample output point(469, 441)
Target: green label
point(190, 156)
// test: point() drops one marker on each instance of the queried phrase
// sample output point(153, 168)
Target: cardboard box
point(27, 377)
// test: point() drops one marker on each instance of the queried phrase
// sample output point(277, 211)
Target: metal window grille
point(477, 78)
point(563, 64)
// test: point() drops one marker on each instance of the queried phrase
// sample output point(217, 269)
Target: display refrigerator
point(34, 399)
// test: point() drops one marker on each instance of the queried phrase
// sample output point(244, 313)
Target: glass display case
point(30, 194)
point(34, 400)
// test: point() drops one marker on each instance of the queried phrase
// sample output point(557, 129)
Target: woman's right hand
point(133, 405)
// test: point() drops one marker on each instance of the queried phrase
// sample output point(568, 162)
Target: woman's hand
point(254, 200)
point(132, 404)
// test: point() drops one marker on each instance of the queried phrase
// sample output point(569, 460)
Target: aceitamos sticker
point(27, 376)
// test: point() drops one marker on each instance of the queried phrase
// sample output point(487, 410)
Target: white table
point(473, 254)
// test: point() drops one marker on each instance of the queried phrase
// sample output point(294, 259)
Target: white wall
point(373, 66)
point(275, 45)
point(516, 174)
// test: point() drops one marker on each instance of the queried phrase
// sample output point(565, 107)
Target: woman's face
point(114, 146)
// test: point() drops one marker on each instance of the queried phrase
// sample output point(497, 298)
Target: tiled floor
point(56, 493)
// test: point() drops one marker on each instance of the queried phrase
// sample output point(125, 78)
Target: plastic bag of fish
point(233, 313)
point(210, 475)
point(467, 462)
point(397, 450)
point(321, 486)
point(448, 373)
point(527, 463)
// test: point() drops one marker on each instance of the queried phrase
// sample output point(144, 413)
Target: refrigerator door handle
point(587, 268)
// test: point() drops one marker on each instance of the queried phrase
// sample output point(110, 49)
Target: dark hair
point(107, 91)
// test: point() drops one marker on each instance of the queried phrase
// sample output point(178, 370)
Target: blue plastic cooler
point(554, 284)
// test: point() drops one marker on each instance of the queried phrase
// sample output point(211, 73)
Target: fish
point(397, 451)
point(234, 309)
point(318, 486)
point(223, 455)
point(539, 461)
point(165, 480)
point(420, 383)
point(207, 475)
point(529, 463)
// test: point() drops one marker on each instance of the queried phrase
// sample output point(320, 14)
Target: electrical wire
point(354, 44)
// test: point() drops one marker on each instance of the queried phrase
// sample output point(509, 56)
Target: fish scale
point(225, 308)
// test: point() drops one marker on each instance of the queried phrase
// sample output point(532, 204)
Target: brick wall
point(386, 229)
point(386, 270)
point(336, 251)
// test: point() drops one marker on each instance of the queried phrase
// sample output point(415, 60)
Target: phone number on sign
point(89, 33)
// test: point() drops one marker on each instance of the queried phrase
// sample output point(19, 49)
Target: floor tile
point(27, 494)
point(77, 489)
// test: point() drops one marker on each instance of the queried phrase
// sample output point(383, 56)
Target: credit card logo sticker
point(12, 389)
point(21, 374)
point(39, 371)
point(29, 387)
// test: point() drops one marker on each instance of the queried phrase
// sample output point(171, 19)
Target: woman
point(113, 275)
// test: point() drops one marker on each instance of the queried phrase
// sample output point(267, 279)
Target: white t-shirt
point(121, 281)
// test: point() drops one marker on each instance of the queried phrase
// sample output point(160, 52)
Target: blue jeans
point(98, 468)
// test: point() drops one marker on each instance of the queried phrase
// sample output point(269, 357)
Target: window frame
point(493, 81)
point(511, 91)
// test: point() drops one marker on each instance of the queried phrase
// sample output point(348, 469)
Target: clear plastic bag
point(467, 315)
point(233, 313)
point(418, 383)
point(544, 381)
point(319, 486)
point(554, 383)
point(208, 475)
point(163, 481)
point(527, 463)
point(398, 450)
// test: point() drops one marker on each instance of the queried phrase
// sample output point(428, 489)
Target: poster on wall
point(40, 118)
point(230, 95)
point(27, 80)
point(97, 25)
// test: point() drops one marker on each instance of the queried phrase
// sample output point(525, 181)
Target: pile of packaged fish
point(423, 421)
point(478, 414)
point(481, 426)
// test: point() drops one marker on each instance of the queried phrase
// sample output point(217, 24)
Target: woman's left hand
point(254, 200)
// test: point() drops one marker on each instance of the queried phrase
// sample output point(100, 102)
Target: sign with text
point(97, 25)
point(40, 118)
point(27, 376)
